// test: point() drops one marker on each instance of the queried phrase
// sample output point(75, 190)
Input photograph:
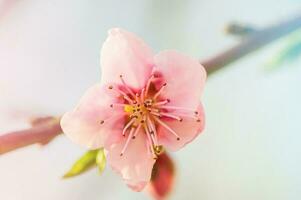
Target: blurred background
point(49, 55)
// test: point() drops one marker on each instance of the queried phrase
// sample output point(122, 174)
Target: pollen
point(128, 108)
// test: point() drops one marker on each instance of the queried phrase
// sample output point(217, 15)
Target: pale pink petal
point(135, 166)
point(123, 53)
point(185, 78)
point(84, 124)
point(187, 130)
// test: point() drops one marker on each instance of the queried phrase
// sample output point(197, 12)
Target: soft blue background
point(49, 55)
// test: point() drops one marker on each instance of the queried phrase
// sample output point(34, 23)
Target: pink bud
point(162, 179)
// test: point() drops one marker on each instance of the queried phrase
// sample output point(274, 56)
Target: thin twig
point(251, 43)
point(41, 133)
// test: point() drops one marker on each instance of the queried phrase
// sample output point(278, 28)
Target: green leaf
point(290, 51)
point(84, 163)
point(101, 160)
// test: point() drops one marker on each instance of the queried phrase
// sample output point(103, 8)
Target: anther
point(198, 120)
point(102, 121)
point(121, 154)
point(133, 137)
point(196, 112)
point(158, 149)
point(181, 119)
point(142, 121)
point(178, 138)
point(111, 105)
point(110, 87)
point(164, 84)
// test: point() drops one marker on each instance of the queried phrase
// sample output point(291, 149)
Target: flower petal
point(84, 124)
point(135, 165)
point(123, 53)
point(187, 130)
point(185, 78)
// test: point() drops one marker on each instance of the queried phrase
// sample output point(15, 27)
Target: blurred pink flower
point(144, 102)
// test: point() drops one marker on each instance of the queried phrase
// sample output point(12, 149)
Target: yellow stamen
point(128, 108)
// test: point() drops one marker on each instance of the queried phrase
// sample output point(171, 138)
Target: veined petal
point(185, 78)
point(93, 123)
point(123, 53)
point(135, 165)
point(187, 130)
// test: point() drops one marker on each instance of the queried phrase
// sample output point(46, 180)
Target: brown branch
point(251, 43)
point(43, 132)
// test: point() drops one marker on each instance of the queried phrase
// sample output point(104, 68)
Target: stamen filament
point(125, 96)
point(142, 95)
point(188, 116)
point(159, 92)
point(167, 127)
point(153, 109)
point(147, 86)
point(102, 121)
point(136, 131)
point(155, 113)
point(150, 141)
point(171, 116)
point(127, 141)
point(128, 99)
point(152, 130)
point(178, 108)
point(118, 105)
point(161, 102)
point(126, 86)
point(128, 125)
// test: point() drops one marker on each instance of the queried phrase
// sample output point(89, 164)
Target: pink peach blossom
point(144, 103)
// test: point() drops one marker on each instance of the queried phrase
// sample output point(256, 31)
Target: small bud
point(162, 179)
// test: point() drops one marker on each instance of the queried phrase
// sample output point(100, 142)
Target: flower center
point(138, 111)
point(146, 111)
